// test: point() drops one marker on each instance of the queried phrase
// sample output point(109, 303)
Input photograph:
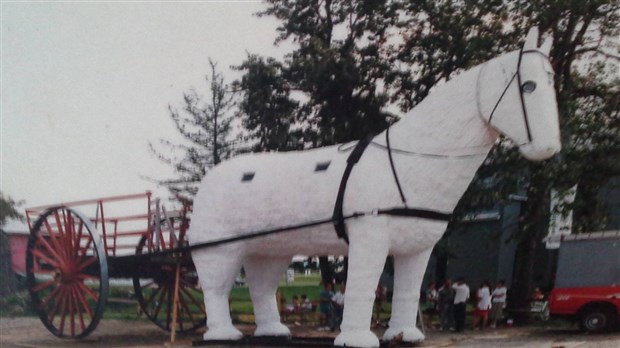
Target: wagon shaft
point(144, 267)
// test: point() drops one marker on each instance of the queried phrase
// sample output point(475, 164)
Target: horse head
point(517, 98)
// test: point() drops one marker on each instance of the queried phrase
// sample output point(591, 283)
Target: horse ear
point(531, 41)
point(546, 46)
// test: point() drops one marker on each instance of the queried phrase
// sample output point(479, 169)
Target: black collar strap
point(338, 217)
point(389, 151)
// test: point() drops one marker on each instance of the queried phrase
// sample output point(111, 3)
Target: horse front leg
point(408, 274)
point(368, 250)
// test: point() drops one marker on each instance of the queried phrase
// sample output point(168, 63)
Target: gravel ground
point(29, 332)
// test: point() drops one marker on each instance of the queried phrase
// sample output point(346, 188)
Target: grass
point(122, 303)
point(309, 285)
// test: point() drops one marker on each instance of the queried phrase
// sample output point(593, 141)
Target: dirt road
point(29, 332)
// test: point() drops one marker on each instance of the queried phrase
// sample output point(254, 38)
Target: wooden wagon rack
point(71, 257)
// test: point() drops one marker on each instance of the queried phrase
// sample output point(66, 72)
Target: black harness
point(517, 75)
point(404, 211)
point(338, 217)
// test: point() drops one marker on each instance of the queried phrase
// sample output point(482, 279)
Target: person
point(483, 305)
point(380, 297)
point(537, 295)
point(296, 304)
point(498, 302)
point(338, 305)
point(325, 304)
point(445, 305)
point(461, 295)
point(290, 276)
point(431, 303)
point(306, 305)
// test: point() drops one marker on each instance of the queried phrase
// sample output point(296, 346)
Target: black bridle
point(338, 216)
point(517, 75)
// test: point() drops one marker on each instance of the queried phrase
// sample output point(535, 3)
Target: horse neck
point(449, 121)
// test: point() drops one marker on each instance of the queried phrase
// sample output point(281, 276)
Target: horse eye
point(528, 86)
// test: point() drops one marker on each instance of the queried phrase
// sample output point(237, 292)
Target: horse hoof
point(410, 334)
point(223, 333)
point(273, 329)
point(359, 339)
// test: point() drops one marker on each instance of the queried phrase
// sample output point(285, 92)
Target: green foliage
point(8, 209)
point(17, 304)
point(266, 109)
point(205, 125)
point(585, 57)
point(334, 71)
point(439, 39)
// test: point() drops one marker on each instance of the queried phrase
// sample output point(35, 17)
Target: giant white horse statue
point(435, 151)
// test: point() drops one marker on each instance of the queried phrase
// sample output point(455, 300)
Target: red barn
point(18, 234)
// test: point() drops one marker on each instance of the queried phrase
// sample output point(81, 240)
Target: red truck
point(587, 284)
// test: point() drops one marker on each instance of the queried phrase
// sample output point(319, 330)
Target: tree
point(8, 210)
point(335, 68)
point(586, 60)
point(205, 126)
point(267, 110)
point(438, 39)
point(335, 72)
point(585, 56)
point(346, 50)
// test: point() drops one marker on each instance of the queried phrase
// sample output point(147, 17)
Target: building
point(481, 247)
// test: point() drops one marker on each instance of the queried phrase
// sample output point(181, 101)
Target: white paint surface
point(287, 191)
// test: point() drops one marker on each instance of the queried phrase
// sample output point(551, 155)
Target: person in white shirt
point(483, 305)
point(498, 302)
point(338, 302)
point(461, 295)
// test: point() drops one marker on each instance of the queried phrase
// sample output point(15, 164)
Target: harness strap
point(414, 212)
point(517, 75)
point(521, 98)
point(501, 97)
point(389, 151)
point(337, 216)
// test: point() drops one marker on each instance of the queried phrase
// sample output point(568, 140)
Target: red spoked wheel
point(67, 272)
point(156, 293)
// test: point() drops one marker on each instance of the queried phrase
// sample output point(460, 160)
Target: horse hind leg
point(263, 274)
point(217, 268)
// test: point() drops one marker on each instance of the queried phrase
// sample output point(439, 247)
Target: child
point(306, 305)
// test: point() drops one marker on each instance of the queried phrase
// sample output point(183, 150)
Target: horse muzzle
point(540, 152)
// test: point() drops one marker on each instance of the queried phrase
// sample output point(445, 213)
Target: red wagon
point(71, 257)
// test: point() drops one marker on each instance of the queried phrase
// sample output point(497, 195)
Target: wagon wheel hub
point(68, 277)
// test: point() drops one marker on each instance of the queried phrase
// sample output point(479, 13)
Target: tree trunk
point(7, 278)
point(533, 213)
point(522, 285)
point(327, 274)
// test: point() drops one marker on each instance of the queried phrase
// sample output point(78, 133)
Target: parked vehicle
point(587, 286)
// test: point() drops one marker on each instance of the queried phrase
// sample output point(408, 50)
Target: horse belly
point(285, 191)
point(318, 240)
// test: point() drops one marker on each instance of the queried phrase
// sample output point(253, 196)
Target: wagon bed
point(71, 256)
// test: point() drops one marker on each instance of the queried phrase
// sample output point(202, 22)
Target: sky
point(86, 86)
